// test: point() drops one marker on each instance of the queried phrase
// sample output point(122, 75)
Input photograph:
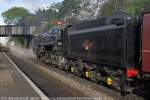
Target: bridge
point(26, 31)
point(17, 30)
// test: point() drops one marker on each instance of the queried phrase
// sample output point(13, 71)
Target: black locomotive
point(106, 49)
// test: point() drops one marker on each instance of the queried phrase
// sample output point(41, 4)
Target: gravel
point(86, 87)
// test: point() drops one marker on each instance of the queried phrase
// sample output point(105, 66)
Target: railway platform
point(13, 82)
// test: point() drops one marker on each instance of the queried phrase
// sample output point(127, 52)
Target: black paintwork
point(113, 40)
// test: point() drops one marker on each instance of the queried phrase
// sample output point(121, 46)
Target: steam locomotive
point(113, 49)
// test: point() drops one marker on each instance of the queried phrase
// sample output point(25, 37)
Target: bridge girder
point(17, 30)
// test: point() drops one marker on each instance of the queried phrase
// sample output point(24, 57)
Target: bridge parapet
point(18, 30)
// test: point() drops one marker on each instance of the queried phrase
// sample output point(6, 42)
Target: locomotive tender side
point(111, 41)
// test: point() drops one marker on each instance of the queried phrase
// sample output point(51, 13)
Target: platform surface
point(12, 83)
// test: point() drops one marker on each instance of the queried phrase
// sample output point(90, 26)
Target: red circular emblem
point(87, 44)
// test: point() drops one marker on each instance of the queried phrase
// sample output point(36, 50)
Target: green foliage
point(29, 20)
point(14, 15)
point(107, 8)
point(66, 9)
point(50, 26)
point(70, 8)
point(135, 7)
point(110, 6)
point(53, 12)
point(49, 15)
point(17, 40)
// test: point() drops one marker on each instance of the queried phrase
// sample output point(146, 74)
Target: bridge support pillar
point(28, 41)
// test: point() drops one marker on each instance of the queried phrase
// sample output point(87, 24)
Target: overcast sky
point(31, 5)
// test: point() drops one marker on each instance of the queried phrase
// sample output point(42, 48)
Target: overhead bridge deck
point(17, 30)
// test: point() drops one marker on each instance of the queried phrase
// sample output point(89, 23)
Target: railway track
point(99, 88)
point(73, 86)
point(50, 86)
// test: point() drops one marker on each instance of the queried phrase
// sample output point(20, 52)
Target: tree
point(133, 7)
point(66, 10)
point(110, 6)
point(30, 19)
point(14, 15)
point(18, 40)
point(49, 15)
point(70, 8)
point(90, 9)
